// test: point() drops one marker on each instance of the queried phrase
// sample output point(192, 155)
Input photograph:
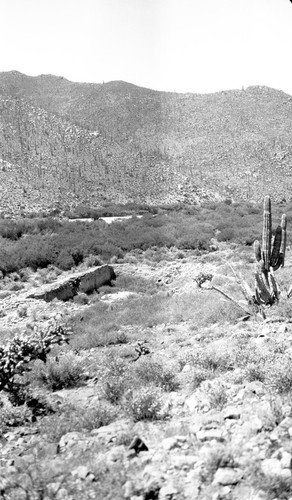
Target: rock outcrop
point(69, 286)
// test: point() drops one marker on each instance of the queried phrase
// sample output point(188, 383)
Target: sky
point(198, 46)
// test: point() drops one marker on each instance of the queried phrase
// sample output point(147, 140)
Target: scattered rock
point(209, 435)
point(168, 492)
point(192, 403)
point(256, 387)
point(184, 461)
point(173, 442)
point(129, 489)
point(70, 439)
point(232, 412)
point(116, 454)
point(24, 461)
point(285, 458)
point(138, 445)
point(252, 426)
point(282, 329)
point(83, 472)
point(273, 467)
point(227, 476)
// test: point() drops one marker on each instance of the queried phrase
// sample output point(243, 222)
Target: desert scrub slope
point(209, 396)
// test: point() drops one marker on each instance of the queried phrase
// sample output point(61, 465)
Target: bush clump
point(145, 403)
point(61, 372)
point(147, 371)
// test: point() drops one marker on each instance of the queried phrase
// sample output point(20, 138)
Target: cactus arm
point(265, 280)
point(276, 247)
point(263, 289)
point(267, 233)
point(289, 292)
point(274, 287)
point(284, 236)
point(257, 250)
point(279, 262)
point(259, 298)
point(281, 259)
point(261, 266)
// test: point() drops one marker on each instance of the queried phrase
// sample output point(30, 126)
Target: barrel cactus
point(270, 255)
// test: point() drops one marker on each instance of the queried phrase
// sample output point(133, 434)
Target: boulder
point(67, 287)
point(227, 476)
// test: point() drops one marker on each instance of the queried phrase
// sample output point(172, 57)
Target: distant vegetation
point(38, 243)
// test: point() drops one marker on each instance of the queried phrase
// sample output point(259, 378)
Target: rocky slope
point(71, 143)
point(225, 437)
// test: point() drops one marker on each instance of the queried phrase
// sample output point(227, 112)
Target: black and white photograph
point(145, 250)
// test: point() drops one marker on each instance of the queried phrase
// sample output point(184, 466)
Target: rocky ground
point(224, 427)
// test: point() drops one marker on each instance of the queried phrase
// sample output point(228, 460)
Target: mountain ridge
point(129, 143)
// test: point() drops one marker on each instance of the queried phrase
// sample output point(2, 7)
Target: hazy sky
point(181, 45)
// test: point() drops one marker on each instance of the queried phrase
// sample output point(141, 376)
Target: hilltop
point(64, 143)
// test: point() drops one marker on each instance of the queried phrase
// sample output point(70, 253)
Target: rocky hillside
point(203, 413)
point(68, 143)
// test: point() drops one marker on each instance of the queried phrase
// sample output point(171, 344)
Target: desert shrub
point(69, 418)
point(147, 371)
point(247, 353)
point(136, 284)
point(81, 298)
point(283, 308)
point(25, 274)
point(255, 371)
point(22, 310)
point(4, 294)
point(212, 359)
point(200, 375)
point(273, 486)
point(65, 260)
point(279, 375)
point(14, 276)
point(275, 413)
point(113, 379)
point(93, 260)
point(227, 234)
point(216, 311)
point(77, 256)
point(267, 364)
point(15, 286)
point(10, 416)
point(145, 403)
point(217, 394)
point(101, 414)
point(98, 334)
point(56, 425)
point(218, 455)
point(62, 372)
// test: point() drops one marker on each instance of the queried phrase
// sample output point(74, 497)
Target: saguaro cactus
point(269, 257)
